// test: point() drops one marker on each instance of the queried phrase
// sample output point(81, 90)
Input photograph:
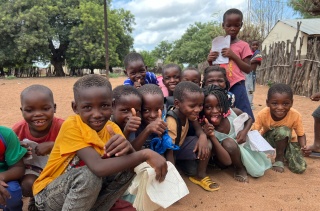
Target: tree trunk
point(1, 71)
point(58, 57)
point(91, 71)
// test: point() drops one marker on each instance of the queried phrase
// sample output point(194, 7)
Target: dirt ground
point(274, 191)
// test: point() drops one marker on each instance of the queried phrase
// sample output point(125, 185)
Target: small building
point(286, 30)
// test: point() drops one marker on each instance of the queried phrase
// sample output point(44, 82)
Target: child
point(171, 75)
point(216, 75)
point(194, 153)
point(11, 170)
point(152, 122)
point(239, 55)
point(126, 106)
point(282, 127)
point(40, 126)
point(315, 148)
point(220, 117)
point(91, 151)
point(136, 71)
point(251, 77)
point(191, 74)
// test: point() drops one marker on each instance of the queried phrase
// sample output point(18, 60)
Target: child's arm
point(244, 64)
point(169, 156)
point(132, 125)
point(44, 148)
point(302, 141)
point(202, 146)
point(241, 136)
point(15, 172)
point(158, 127)
point(222, 155)
point(124, 158)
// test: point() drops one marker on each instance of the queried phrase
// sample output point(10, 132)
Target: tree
point(163, 50)
point(194, 45)
point(307, 8)
point(149, 59)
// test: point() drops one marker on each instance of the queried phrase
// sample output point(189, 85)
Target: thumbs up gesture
point(137, 84)
point(117, 145)
point(208, 128)
point(132, 124)
point(158, 126)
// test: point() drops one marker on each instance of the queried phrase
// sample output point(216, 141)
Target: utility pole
point(106, 40)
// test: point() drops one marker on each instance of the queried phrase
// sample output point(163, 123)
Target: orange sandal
point(205, 183)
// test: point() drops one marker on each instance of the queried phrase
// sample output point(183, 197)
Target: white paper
point(150, 194)
point(35, 160)
point(238, 122)
point(218, 44)
point(258, 143)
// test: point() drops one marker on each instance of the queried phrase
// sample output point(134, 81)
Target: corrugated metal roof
point(309, 26)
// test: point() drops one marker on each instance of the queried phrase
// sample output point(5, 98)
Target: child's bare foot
point(312, 148)
point(241, 175)
point(278, 166)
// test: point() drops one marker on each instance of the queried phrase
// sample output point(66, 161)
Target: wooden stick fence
point(283, 64)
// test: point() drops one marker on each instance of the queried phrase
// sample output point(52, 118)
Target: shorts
point(316, 113)
point(185, 158)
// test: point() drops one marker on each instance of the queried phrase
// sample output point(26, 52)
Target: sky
point(157, 21)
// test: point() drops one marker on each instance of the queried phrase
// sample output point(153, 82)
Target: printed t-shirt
point(234, 74)
point(292, 120)
point(74, 135)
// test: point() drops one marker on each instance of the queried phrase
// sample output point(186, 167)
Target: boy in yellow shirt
point(88, 166)
point(281, 126)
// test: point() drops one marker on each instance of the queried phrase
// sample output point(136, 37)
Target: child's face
point(122, 109)
point(38, 109)
point(191, 105)
point(94, 105)
point(151, 105)
point(212, 110)
point(136, 70)
point(215, 78)
point(171, 77)
point(254, 45)
point(279, 104)
point(191, 75)
point(232, 25)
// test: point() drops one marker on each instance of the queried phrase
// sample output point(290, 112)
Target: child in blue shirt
point(136, 71)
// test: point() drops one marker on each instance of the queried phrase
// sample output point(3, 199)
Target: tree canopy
point(62, 31)
point(307, 8)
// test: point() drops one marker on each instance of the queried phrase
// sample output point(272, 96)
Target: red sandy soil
point(274, 191)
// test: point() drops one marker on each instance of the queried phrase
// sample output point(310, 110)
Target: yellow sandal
point(205, 183)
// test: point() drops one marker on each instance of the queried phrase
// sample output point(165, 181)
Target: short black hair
point(167, 66)
point(125, 90)
point(150, 89)
point(37, 88)
point(232, 11)
point(192, 68)
point(132, 57)
point(183, 87)
point(89, 81)
point(220, 94)
point(215, 68)
point(280, 88)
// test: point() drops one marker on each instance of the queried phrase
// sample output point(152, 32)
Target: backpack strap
point(3, 140)
point(179, 127)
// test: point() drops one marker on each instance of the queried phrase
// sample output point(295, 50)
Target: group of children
point(113, 131)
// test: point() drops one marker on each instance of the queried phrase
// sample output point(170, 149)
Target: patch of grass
point(10, 77)
point(114, 75)
point(270, 83)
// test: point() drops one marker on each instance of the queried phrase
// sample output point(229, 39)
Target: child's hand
point(202, 147)
point(43, 148)
point(241, 137)
point(137, 84)
point(133, 123)
point(157, 162)
point(306, 151)
point(213, 55)
point(117, 145)
point(29, 149)
point(208, 128)
point(4, 194)
point(227, 52)
point(158, 126)
point(315, 97)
